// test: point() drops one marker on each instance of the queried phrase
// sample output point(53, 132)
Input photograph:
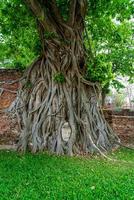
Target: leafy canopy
point(108, 37)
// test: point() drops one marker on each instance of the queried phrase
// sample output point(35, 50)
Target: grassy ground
point(41, 176)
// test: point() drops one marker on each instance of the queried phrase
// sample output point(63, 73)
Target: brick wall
point(124, 126)
point(122, 123)
point(8, 95)
point(8, 124)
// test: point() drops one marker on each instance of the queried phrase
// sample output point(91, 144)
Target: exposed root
point(123, 145)
point(10, 82)
point(7, 90)
point(60, 117)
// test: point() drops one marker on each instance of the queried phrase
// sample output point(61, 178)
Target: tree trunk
point(103, 98)
point(57, 108)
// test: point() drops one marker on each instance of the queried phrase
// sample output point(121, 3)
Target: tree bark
point(103, 98)
point(57, 108)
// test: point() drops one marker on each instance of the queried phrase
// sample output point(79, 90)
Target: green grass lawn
point(43, 176)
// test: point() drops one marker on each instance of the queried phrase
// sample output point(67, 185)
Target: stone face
point(66, 132)
point(121, 122)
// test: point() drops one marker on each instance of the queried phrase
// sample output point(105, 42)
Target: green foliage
point(28, 85)
point(59, 77)
point(112, 44)
point(109, 29)
point(18, 35)
point(121, 8)
point(47, 177)
point(117, 85)
point(99, 71)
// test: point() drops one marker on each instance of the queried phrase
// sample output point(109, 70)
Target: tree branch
point(38, 11)
point(54, 16)
point(48, 15)
point(78, 10)
point(72, 12)
point(55, 11)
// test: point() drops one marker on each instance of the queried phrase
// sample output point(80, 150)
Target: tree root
point(63, 118)
point(123, 145)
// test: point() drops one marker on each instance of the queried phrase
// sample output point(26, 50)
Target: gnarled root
point(60, 117)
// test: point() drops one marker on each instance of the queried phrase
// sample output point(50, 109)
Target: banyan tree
point(57, 107)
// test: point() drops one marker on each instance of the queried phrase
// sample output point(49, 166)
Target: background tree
point(111, 37)
point(55, 94)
